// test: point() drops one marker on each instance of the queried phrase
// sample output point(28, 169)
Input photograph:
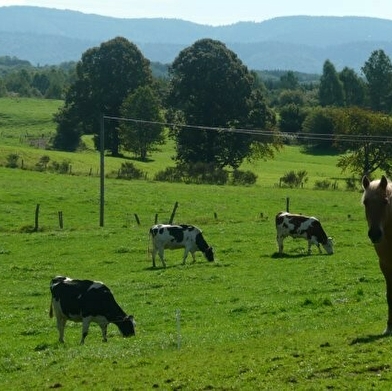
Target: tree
point(213, 89)
point(289, 81)
point(378, 73)
point(363, 135)
point(353, 87)
point(140, 137)
point(105, 76)
point(318, 127)
point(331, 88)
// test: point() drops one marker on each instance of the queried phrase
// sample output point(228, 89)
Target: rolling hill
point(46, 36)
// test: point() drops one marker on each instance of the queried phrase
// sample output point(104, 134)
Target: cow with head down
point(87, 301)
point(188, 237)
point(299, 226)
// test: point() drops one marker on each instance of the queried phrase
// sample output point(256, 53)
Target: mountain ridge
point(48, 36)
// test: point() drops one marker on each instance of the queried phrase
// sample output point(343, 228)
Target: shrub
point(42, 163)
point(129, 171)
point(169, 174)
point(294, 179)
point(60, 168)
point(322, 185)
point(243, 177)
point(351, 183)
point(12, 160)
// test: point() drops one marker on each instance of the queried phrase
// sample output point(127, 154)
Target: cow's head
point(209, 254)
point(328, 246)
point(127, 326)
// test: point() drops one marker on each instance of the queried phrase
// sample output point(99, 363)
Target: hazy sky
point(218, 12)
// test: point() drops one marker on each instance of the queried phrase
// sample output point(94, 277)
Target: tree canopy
point(363, 135)
point(141, 136)
point(105, 76)
point(212, 88)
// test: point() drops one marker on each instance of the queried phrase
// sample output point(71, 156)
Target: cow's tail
point(51, 309)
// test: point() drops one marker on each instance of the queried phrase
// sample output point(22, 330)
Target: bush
point(294, 179)
point(243, 177)
point(60, 168)
point(129, 171)
point(351, 183)
point(169, 174)
point(43, 163)
point(322, 185)
point(12, 160)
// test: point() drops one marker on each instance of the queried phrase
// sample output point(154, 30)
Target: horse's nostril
point(375, 235)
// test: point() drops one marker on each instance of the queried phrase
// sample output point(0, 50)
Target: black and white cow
point(299, 226)
point(189, 237)
point(87, 301)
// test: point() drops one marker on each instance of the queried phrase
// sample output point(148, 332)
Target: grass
point(250, 320)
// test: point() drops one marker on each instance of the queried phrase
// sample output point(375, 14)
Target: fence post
point(173, 213)
point(61, 219)
point(287, 204)
point(137, 219)
point(36, 218)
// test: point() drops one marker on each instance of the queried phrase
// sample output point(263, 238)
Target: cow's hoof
point(388, 331)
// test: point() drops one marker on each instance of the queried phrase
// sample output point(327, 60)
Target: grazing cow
point(298, 226)
point(87, 301)
point(165, 236)
point(377, 199)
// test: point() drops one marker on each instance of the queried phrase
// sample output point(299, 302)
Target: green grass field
point(248, 321)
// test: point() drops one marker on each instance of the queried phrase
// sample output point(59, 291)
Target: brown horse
point(377, 199)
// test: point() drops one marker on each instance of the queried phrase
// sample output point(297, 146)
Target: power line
point(358, 138)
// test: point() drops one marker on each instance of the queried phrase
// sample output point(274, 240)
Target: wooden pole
point(102, 174)
point(36, 218)
point(61, 219)
point(173, 213)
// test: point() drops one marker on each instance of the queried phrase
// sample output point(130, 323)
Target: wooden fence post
point(173, 213)
point(61, 219)
point(287, 204)
point(36, 218)
point(137, 219)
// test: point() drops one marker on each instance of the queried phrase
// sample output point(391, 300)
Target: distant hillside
point(47, 36)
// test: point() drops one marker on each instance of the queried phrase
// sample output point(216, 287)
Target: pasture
point(250, 320)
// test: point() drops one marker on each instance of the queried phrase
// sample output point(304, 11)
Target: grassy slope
point(248, 321)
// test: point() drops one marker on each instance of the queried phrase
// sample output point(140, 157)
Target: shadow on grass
point(276, 255)
point(368, 338)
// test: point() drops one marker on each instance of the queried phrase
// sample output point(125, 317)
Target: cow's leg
point(309, 245)
point(279, 239)
point(386, 268)
point(161, 256)
point(154, 253)
point(104, 329)
point(61, 326)
point(86, 325)
point(193, 256)
point(186, 251)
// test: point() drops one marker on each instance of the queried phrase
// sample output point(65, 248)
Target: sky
point(218, 12)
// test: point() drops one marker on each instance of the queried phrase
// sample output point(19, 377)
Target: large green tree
point(146, 130)
point(212, 88)
point(364, 136)
point(105, 76)
point(378, 73)
point(331, 88)
point(353, 87)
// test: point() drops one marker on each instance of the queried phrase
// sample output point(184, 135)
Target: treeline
point(219, 112)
